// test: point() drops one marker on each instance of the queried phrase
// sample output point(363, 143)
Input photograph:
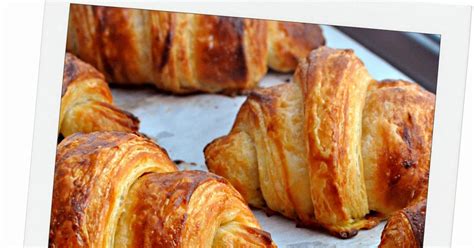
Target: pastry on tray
point(335, 148)
point(405, 228)
point(184, 53)
point(86, 102)
point(118, 189)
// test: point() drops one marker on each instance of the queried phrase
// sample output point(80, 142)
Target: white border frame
point(452, 22)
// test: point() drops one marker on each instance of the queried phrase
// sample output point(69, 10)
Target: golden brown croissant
point(405, 228)
point(183, 53)
point(301, 149)
point(118, 189)
point(397, 127)
point(86, 102)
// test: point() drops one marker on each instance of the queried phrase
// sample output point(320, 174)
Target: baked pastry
point(177, 52)
point(86, 102)
point(405, 228)
point(300, 148)
point(271, 124)
point(118, 189)
point(193, 209)
point(397, 128)
point(181, 53)
point(290, 41)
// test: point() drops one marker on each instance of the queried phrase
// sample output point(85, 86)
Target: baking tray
point(184, 125)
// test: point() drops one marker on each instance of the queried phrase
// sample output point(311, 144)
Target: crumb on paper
point(183, 165)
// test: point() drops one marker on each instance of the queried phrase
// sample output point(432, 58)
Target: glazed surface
point(87, 104)
point(184, 53)
point(324, 149)
point(117, 189)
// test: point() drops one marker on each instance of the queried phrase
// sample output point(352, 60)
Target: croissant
point(405, 228)
point(118, 189)
point(183, 53)
point(86, 102)
point(331, 146)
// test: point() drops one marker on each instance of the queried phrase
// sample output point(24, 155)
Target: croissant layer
point(184, 53)
point(198, 209)
point(93, 173)
point(86, 102)
point(117, 189)
point(324, 149)
point(405, 228)
point(396, 144)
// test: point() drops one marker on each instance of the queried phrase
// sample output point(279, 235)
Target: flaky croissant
point(86, 102)
point(330, 147)
point(184, 53)
point(118, 189)
point(405, 228)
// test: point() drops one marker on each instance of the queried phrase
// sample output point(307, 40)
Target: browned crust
point(269, 100)
point(121, 189)
point(304, 35)
point(162, 34)
point(338, 94)
point(405, 228)
point(115, 41)
point(185, 53)
point(75, 68)
point(177, 52)
point(239, 150)
point(152, 192)
point(86, 102)
point(223, 58)
point(290, 41)
point(416, 216)
point(398, 121)
point(90, 170)
point(171, 198)
point(334, 84)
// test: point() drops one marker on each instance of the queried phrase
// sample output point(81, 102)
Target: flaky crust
point(396, 144)
point(405, 228)
point(86, 102)
point(334, 85)
point(184, 53)
point(93, 173)
point(177, 52)
point(194, 209)
point(297, 148)
point(290, 41)
point(117, 189)
point(254, 157)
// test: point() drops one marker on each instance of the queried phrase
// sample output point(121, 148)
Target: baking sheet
point(184, 125)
